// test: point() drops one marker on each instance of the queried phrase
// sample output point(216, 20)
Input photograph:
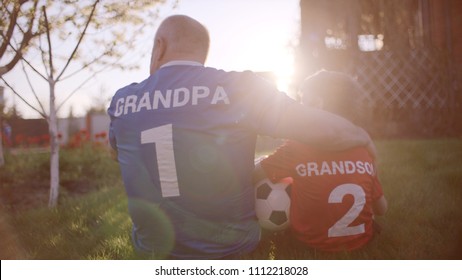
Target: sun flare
point(284, 75)
point(277, 60)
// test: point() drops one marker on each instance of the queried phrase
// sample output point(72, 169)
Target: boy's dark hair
point(339, 93)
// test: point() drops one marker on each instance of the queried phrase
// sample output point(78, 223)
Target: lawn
point(422, 180)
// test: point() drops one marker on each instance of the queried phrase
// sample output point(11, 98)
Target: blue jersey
point(186, 141)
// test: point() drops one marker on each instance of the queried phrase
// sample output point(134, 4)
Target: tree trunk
point(54, 150)
point(2, 160)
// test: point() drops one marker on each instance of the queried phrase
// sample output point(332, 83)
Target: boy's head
point(334, 92)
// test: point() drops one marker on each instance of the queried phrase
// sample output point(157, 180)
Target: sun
point(281, 63)
point(284, 72)
point(254, 48)
point(262, 57)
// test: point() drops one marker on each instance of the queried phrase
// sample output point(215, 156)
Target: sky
point(257, 35)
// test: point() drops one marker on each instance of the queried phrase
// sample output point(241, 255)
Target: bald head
point(179, 37)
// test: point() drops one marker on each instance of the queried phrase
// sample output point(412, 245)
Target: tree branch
point(28, 35)
point(79, 86)
point(32, 88)
point(9, 32)
point(33, 68)
point(43, 56)
point(50, 52)
point(20, 97)
point(73, 92)
point(95, 60)
point(80, 39)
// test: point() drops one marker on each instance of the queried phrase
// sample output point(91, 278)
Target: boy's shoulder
point(357, 153)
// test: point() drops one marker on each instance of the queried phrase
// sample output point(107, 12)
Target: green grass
point(422, 180)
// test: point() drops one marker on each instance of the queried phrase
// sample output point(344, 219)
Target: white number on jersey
point(162, 136)
point(341, 227)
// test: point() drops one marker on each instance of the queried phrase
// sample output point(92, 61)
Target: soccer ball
point(272, 203)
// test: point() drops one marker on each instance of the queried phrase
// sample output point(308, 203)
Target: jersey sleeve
point(264, 104)
point(275, 114)
point(111, 136)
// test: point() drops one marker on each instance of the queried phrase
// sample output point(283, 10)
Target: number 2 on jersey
point(341, 227)
point(162, 136)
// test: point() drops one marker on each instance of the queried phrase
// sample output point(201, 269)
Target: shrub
point(25, 178)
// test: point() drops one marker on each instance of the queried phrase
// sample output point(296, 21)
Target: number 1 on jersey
point(162, 136)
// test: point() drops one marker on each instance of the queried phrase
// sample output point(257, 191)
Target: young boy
point(335, 195)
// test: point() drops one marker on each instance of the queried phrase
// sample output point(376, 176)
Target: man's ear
point(158, 53)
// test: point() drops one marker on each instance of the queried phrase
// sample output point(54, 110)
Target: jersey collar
point(181, 62)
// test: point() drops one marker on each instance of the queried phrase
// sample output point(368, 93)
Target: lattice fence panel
point(408, 92)
point(417, 79)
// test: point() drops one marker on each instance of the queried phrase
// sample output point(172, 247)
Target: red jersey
point(332, 194)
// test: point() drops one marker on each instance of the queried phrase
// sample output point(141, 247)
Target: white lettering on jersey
point(119, 107)
point(178, 94)
point(301, 170)
point(144, 102)
point(220, 95)
point(199, 92)
point(349, 167)
point(325, 169)
point(165, 100)
point(170, 99)
point(130, 103)
point(338, 167)
point(333, 168)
